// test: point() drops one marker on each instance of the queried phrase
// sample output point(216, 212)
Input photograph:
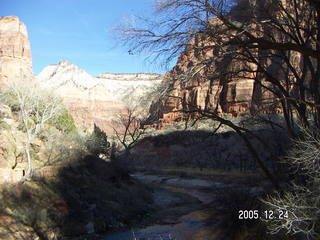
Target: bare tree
point(37, 106)
point(127, 127)
point(301, 203)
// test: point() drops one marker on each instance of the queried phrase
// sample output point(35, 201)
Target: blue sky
point(79, 31)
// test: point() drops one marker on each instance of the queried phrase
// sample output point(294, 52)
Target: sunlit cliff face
point(95, 99)
point(15, 52)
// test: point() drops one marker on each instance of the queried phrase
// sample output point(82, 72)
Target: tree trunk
point(29, 159)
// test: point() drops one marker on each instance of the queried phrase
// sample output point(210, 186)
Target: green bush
point(4, 125)
point(98, 142)
point(64, 122)
point(10, 100)
point(21, 126)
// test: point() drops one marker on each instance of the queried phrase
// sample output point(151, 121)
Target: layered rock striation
point(15, 51)
point(95, 100)
point(204, 80)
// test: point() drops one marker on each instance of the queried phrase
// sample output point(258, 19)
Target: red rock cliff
point(210, 85)
point(15, 52)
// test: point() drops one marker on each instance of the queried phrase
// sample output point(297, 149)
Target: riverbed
point(184, 209)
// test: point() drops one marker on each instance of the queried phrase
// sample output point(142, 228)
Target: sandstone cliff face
point(93, 100)
point(203, 81)
point(15, 52)
point(223, 96)
point(226, 95)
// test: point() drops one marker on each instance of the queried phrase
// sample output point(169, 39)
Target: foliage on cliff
point(64, 122)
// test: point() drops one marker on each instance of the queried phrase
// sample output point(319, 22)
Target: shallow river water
point(184, 210)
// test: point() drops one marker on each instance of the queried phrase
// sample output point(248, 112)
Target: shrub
point(64, 122)
point(11, 100)
point(98, 143)
point(63, 148)
point(4, 125)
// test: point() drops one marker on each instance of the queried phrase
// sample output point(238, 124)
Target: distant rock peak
point(64, 62)
point(65, 72)
point(9, 18)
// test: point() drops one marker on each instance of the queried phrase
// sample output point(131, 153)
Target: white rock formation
point(95, 100)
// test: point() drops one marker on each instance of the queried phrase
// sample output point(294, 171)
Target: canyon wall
point(15, 51)
point(203, 80)
point(15, 63)
point(95, 100)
